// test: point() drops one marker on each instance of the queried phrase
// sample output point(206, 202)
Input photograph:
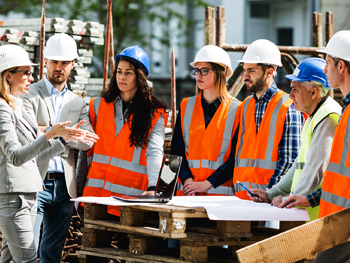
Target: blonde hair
point(220, 83)
point(5, 89)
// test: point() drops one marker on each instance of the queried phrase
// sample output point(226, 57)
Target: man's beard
point(56, 80)
point(258, 85)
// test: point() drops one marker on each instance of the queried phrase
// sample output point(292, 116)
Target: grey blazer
point(21, 151)
point(39, 108)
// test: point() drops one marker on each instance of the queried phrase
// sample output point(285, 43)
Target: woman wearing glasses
point(130, 121)
point(205, 131)
point(22, 149)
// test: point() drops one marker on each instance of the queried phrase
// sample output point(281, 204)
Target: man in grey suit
point(48, 102)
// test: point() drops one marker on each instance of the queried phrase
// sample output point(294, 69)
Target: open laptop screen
point(168, 176)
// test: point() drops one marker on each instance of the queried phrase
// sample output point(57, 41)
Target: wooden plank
point(302, 242)
point(131, 218)
point(94, 211)
point(141, 244)
point(185, 215)
point(169, 208)
point(234, 228)
point(123, 254)
point(115, 226)
point(191, 253)
point(172, 225)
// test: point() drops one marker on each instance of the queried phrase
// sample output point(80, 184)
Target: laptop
point(166, 184)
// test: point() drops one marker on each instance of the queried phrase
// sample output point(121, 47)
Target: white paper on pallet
point(219, 208)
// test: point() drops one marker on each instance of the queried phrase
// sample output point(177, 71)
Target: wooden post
point(42, 42)
point(220, 26)
point(112, 44)
point(317, 30)
point(173, 87)
point(209, 25)
point(107, 44)
point(329, 30)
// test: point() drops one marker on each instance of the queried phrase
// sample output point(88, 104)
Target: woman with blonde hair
point(22, 148)
point(205, 128)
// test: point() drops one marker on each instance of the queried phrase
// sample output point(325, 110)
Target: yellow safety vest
point(331, 109)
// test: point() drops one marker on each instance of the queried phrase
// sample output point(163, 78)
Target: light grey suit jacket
point(21, 151)
point(39, 108)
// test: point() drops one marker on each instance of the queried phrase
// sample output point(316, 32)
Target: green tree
point(126, 17)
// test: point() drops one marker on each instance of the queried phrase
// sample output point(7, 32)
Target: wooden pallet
point(149, 227)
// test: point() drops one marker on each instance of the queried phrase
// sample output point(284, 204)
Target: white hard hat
point(339, 45)
point(215, 54)
point(262, 51)
point(61, 47)
point(13, 56)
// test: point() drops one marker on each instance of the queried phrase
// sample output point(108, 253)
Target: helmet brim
point(295, 78)
point(255, 62)
point(60, 58)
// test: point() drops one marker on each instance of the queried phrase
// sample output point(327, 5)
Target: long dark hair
point(143, 105)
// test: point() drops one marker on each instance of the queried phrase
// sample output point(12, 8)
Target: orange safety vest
point(208, 148)
point(116, 168)
point(336, 179)
point(257, 153)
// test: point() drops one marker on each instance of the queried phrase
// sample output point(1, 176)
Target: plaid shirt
point(315, 197)
point(225, 171)
point(291, 138)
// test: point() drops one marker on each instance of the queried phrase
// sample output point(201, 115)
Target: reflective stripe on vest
point(267, 163)
point(237, 187)
point(116, 188)
point(335, 199)
point(130, 166)
point(225, 140)
point(95, 183)
point(221, 190)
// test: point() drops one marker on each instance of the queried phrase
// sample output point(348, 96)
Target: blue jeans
point(54, 211)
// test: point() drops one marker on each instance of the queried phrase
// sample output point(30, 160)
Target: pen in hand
point(254, 195)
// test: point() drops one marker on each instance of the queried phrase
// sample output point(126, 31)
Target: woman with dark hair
point(130, 122)
point(206, 128)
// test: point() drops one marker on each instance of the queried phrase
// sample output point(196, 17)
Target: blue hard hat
point(310, 69)
point(136, 55)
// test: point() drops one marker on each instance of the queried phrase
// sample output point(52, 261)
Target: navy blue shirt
point(225, 171)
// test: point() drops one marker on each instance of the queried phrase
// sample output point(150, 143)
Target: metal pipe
point(173, 87)
point(287, 49)
point(107, 45)
point(290, 59)
point(42, 42)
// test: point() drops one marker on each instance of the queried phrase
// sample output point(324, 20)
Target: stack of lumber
point(26, 33)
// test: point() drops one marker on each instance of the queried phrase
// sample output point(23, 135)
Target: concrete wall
point(341, 11)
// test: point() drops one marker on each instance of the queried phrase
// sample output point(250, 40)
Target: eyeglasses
point(26, 72)
point(203, 71)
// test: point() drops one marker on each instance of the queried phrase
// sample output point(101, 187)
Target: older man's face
point(302, 98)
